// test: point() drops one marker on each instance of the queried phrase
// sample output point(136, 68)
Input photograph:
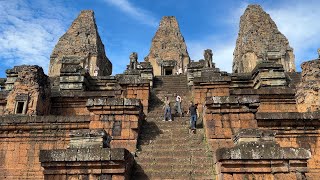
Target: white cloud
point(222, 43)
point(28, 31)
point(299, 22)
point(143, 16)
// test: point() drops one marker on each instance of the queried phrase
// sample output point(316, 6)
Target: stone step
point(184, 169)
point(155, 147)
point(169, 142)
point(207, 163)
point(166, 126)
point(177, 154)
point(186, 174)
point(198, 161)
point(171, 135)
point(167, 150)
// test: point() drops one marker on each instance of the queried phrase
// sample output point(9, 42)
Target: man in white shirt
point(178, 104)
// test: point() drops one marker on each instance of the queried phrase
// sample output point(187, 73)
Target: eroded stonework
point(308, 95)
point(168, 50)
point(259, 39)
point(30, 91)
point(82, 40)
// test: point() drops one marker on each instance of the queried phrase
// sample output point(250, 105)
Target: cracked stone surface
point(259, 39)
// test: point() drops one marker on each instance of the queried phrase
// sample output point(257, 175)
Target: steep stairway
point(171, 84)
point(168, 86)
point(166, 150)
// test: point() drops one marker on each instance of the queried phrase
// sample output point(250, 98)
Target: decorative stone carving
point(207, 54)
point(30, 91)
point(133, 60)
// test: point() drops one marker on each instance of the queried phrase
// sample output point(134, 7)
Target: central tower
point(168, 52)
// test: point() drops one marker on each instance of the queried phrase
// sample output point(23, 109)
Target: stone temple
point(168, 50)
point(262, 121)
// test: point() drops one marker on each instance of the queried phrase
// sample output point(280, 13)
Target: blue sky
point(29, 29)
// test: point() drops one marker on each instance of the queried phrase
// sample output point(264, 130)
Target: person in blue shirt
point(193, 116)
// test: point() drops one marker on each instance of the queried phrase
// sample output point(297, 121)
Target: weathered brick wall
point(88, 156)
point(227, 113)
point(308, 90)
point(271, 99)
point(22, 138)
point(225, 116)
point(139, 92)
point(201, 92)
point(72, 102)
point(121, 118)
point(296, 130)
point(256, 155)
point(31, 89)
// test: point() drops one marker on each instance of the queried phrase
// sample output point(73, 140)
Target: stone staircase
point(171, 84)
point(166, 150)
point(167, 86)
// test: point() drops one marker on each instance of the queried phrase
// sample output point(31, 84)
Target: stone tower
point(81, 42)
point(259, 39)
point(168, 50)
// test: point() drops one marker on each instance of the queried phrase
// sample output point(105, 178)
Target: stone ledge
point(84, 154)
point(22, 119)
point(288, 116)
point(260, 151)
point(263, 91)
point(257, 144)
point(113, 102)
point(131, 79)
point(85, 93)
point(267, 65)
point(217, 78)
point(233, 100)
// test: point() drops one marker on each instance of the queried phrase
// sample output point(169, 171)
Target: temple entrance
point(167, 67)
point(168, 72)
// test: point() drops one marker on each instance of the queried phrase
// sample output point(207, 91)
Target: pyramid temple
point(262, 121)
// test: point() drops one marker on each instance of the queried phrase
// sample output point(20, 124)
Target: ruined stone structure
point(39, 113)
point(263, 123)
point(168, 50)
point(259, 39)
point(308, 91)
point(207, 54)
point(29, 91)
point(265, 160)
point(81, 41)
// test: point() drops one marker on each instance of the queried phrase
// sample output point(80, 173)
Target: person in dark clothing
point(193, 116)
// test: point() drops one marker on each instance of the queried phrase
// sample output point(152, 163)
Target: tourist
point(193, 118)
point(96, 71)
point(167, 109)
point(178, 104)
point(86, 68)
point(180, 71)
